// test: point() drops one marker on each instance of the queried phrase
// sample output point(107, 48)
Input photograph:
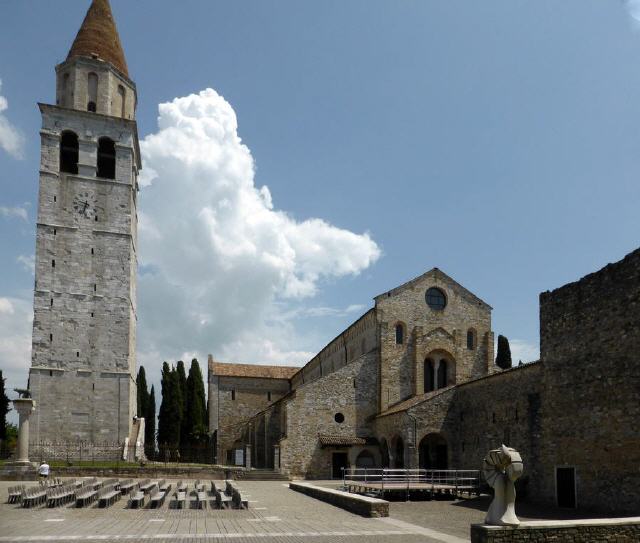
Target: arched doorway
point(434, 452)
point(398, 452)
point(384, 453)
point(365, 460)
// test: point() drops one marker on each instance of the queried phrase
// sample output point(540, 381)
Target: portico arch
point(434, 452)
point(384, 453)
point(397, 449)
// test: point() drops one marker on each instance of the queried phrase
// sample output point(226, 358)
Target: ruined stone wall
point(350, 390)
point(590, 340)
point(402, 368)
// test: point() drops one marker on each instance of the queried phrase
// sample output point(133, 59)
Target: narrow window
point(471, 340)
point(55, 231)
point(92, 314)
point(442, 374)
point(92, 250)
point(94, 386)
point(77, 354)
point(92, 91)
point(53, 263)
point(429, 377)
point(55, 199)
point(106, 158)
point(96, 218)
point(566, 487)
point(65, 86)
point(493, 417)
point(69, 153)
point(50, 337)
point(51, 305)
point(123, 100)
point(95, 287)
point(399, 334)
point(269, 396)
point(233, 394)
point(50, 373)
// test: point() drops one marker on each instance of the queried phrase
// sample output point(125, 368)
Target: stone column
point(24, 407)
point(247, 457)
point(276, 458)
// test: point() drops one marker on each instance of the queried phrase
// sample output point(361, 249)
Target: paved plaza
point(275, 514)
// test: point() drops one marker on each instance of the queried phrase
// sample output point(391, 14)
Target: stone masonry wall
point(428, 330)
point(350, 390)
point(83, 349)
point(590, 345)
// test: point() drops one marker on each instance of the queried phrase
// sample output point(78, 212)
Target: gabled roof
point(98, 36)
point(432, 272)
point(251, 370)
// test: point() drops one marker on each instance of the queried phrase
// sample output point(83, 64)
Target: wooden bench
point(108, 495)
point(136, 498)
point(34, 496)
point(222, 500)
point(201, 499)
point(181, 498)
point(85, 496)
point(238, 501)
point(15, 494)
point(146, 486)
point(157, 498)
point(126, 486)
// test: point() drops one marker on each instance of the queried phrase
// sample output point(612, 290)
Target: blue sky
point(496, 140)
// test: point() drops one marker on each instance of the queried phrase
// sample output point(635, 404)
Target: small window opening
point(233, 395)
point(69, 153)
point(92, 314)
point(399, 334)
point(50, 373)
point(471, 340)
point(269, 396)
point(339, 418)
point(55, 231)
point(516, 413)
point(50, 337)
point(53, 263)
point(354, 384)
point(51, 305)
point(92, 88)
point(55, 198)
point(95, 287)
point(123, 100)
point(77, 354)
point(493, 417)
point(93, 386)
point(92, 250)
point(106, 159)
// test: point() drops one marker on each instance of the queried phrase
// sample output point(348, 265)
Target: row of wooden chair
point(36, 495)
point(15, 494)
point(61, 495)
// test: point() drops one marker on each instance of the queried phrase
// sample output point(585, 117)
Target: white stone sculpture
point(501, 467)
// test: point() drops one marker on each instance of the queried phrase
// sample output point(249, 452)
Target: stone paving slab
point(275, 514)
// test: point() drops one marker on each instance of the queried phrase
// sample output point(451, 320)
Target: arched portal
point(434, 452)
point(384, 453)
point(398, 452)
point(365, 460)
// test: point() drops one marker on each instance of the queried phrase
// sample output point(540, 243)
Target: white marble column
point(24, 407)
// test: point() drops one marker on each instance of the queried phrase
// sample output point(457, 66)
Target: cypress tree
point(170, 408)
point(150, 425)
point(143, 392)
point(196, 407)
point(503, 358)
point(4, 409)
point(184, 394)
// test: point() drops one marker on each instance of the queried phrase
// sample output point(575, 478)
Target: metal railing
point(386, 479)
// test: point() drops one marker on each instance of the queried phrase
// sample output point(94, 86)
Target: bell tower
point(83, 363)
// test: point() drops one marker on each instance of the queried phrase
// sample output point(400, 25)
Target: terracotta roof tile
point(251, 370)
point(98, 35)
point(327, 440)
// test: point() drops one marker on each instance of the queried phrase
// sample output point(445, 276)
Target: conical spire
point(98, 35)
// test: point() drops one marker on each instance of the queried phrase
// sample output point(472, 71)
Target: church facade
point(413, 384)
point(83, 366)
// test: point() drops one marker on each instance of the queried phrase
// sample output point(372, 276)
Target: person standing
point(43, 470)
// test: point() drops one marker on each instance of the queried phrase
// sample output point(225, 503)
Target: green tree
point(170, 408)
point(143, 392)
point(196, 414)
point(503, 358)
point(4, 409)
point(182, 383)
point(150, 425)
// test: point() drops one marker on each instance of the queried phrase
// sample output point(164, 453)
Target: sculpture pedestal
point(19, 471)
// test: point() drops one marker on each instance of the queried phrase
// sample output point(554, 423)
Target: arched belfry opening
point(106, 158)
point(439, 371)
point(69, 152)
point(92, 92)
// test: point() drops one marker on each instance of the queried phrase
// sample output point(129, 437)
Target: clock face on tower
point(84, 204)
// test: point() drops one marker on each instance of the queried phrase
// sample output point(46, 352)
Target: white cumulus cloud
point(28, 262)
point(633, 7)
point(19, 212)
point(11, 140)
point(16, 317)
point(217, 257)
